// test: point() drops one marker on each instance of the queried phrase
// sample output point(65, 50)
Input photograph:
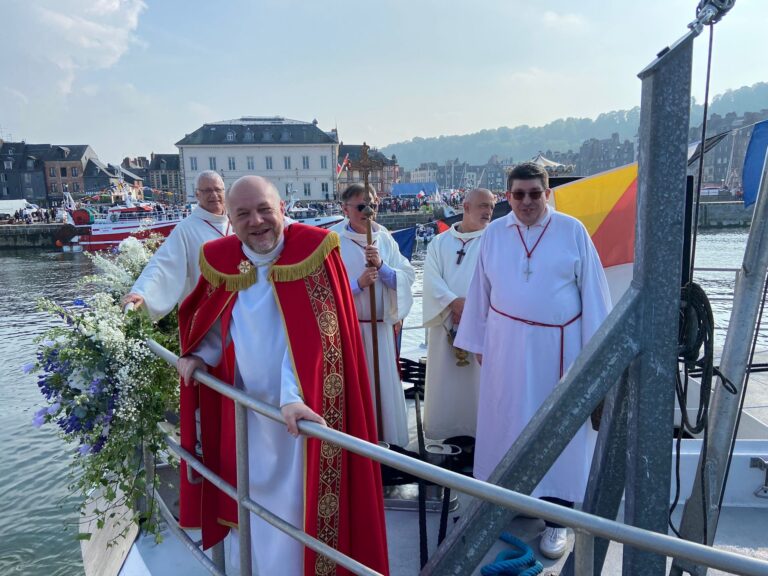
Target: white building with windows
point(298, 157)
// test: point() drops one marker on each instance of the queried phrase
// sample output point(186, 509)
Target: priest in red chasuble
point(273, 315)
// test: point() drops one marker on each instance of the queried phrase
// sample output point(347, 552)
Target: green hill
point(523, 142)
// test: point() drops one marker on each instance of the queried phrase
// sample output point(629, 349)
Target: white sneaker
point(553, 543)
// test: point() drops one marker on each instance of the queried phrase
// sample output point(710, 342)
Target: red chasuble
point(343, 500)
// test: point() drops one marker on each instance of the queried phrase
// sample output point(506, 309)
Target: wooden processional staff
point(365, 167)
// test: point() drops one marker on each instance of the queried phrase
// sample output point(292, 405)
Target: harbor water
point(38, 516)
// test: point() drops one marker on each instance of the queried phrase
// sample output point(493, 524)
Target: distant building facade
point(111, 179)
point(601, 155)
point(298, 157)
point(138, 166)
point(724, 162)
point(454, 174)
point(22, 173)
point(426, 172)
point(65, 170)
point(41, 173)
point(165, 175)
point(383, 174)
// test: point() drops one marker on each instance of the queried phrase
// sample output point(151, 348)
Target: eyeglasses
point(211, 190)
point(361, 207)
point(533, 194)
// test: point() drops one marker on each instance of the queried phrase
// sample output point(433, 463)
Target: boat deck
point(742, 526)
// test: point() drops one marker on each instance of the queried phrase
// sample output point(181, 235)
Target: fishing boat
point(107, 230)
point(93, 228)
point(311, 216)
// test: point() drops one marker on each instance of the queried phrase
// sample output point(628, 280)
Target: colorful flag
point(343, 165)
point(754, 162)
point(606, 204)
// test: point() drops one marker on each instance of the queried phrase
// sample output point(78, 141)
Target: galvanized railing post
point(605, 488)
point(661, 189)
point(217, 555)
point(584, 550)
point(144, 502)
point(724, 406)
point(243, 489)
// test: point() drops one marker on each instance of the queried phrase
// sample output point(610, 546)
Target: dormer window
point(267, 136)
point(230, 136)
point(8, 164)
point(285, 136)
point(248, 135)
point(30, 164)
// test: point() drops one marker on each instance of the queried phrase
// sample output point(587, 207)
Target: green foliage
point(107, 392)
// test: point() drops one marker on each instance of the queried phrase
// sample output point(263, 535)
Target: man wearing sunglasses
point(538, 295)
point(382, 265)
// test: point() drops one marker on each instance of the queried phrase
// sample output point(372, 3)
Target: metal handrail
point(276, 521)
point(580, 521)
point(184, 538)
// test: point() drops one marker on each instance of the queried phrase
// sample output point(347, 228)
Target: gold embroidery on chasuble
point(324, 308)
point(244, 267)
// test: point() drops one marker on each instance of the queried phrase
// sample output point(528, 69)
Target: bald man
point(273, 315)
point(453, 375)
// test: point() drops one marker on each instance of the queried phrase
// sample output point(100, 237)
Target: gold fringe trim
point(300, 270)
point(232, 282)
point(227, 523)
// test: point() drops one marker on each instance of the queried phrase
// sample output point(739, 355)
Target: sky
point(131, 77)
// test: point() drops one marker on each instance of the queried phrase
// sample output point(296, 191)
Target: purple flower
point(95, 387)
point(53, 408)
point(84, 449)
point(79, 302)
point(99, 444)
point(28, 367)
point(39, 418)
point(70, 424)
point(48, 343)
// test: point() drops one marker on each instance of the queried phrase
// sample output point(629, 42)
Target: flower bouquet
point(104, 389)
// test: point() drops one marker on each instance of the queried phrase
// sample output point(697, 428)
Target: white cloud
point(564, 22)
point(18, 96)
point(52, 41)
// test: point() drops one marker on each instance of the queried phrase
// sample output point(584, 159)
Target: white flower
point(79, 379)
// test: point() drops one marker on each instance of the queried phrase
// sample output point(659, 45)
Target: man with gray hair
point(453, 375)
point(173, 271)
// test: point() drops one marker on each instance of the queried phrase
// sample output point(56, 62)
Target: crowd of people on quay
point(39, 215)
point(295, 316)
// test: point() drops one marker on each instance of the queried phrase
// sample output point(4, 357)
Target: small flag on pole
point(754, 161)
point(343, 166)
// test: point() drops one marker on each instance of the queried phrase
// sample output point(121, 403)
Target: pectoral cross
point(527, 270)
point(461, 253)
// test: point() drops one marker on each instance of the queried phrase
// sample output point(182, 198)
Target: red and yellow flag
point(606, 204)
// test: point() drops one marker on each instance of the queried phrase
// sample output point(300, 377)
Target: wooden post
point(365, 165)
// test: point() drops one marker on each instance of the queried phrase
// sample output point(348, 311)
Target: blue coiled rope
point(519, 561)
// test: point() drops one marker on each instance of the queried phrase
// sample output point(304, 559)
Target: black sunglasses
point(534, 195)
point(361, 207)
